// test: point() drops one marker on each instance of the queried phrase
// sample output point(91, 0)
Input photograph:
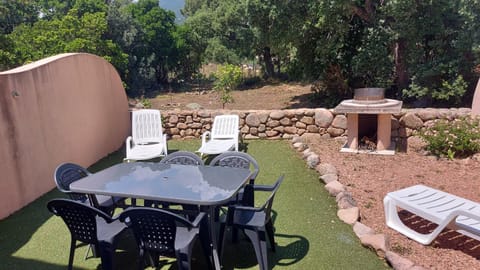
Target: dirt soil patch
point(269, 97)
point(370, 177)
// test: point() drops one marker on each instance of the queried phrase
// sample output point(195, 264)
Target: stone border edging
point(348, 211)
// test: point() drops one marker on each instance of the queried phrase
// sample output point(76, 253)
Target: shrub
point(458, 138)
point(449, 92)
point(228, 77)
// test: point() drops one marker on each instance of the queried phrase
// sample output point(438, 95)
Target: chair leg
point(258, 239)
point(106, 253)
point(141, 259)
point(270, 233)
point(72, 254)
point(221, 240)
point(184, 258)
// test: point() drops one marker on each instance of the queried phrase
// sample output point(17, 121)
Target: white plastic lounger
point(439, 207)
point(147, 140)
point(223, 137)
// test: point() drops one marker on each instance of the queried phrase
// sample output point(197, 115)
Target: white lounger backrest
point(146, 126)
point(225, 127)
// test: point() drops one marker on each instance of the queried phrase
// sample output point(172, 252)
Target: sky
point(175, 6)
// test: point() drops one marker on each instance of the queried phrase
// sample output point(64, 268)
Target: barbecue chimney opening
point(367, 131)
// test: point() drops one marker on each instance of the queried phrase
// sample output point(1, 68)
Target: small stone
point(345, 200)
point(326, 168)
point(299, 145)
point(329, 177)
point(194, 106)
point(250, 137)
point(323, 118)
point(349, 216)
point(334, 188)
point(290, 130)
point(173, 119)
point(397, 261)
point(271, 133)
point(361, 229)
point(378, 242)
point(335, 132)
point(277, 115)
point(340, 122)
point(411, 120)
point(307, 152)
point(297, 139)
point(287, 136)
point(252, 120)
point(313, 160)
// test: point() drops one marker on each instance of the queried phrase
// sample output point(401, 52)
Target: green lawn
point(308, 233)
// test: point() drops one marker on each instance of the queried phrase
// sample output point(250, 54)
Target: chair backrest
point(146, 126)
point(225, 127)
point(182, 157)
point(154, 229)
point(237, 160)
point(67, 173)
point(267, 207)
point(79, 218)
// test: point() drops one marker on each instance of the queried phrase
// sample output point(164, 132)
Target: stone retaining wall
point(285, 124)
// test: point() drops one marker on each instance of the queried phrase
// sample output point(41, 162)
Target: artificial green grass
point(308, 233)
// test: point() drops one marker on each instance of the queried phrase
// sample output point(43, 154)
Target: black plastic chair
point(67, 173)
point(239, 160)
point(88, 225)
point(160, 232)
point(256, 223)
point(183, 158)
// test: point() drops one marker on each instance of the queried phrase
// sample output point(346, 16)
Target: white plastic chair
point(223, 137)
point(147, 140)
point(439, 207)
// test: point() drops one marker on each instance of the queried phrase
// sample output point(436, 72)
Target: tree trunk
point(400, 64)
point(267, 58)
point(278, 66)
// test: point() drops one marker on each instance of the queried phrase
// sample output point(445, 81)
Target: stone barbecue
point(369, 121)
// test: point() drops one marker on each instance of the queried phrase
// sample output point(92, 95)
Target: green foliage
point(446, 92)
point(147, 104)
point(458, 138)
point(373, 43)
point(372, 62)
point(139, 38)
point(228, 77)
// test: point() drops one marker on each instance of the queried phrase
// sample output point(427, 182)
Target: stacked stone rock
point(285, 124)
point(348, 211)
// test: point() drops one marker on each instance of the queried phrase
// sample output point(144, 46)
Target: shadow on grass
point(17, 230)
point(240, 255)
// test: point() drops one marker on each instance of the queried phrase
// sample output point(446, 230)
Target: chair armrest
point(204, 136)
point(245, 208)
point(263, 188)
point(128, 141)
point(198, 219)
point(128, 145)
point(165, 143)
point(105, 216)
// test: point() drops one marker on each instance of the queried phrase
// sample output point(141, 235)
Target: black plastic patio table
point(206, 186)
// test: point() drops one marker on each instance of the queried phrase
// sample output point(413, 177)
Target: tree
point(153, 50)
point(71, 33)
